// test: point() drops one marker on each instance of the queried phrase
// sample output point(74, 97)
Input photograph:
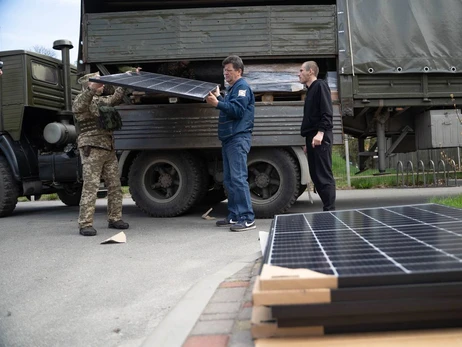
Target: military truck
point(394, 62)
point(170, 156)
point(37, 136)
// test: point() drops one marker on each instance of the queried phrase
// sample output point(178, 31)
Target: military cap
point(86, 78)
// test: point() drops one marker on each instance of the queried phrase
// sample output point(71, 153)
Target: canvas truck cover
point(400, 36)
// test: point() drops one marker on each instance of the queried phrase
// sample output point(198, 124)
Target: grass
point(49, 197)
point(364, 180)
point(44, 197)
point(453, 201)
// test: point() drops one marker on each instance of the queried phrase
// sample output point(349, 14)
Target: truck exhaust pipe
point(65, 46)
point(63, 132)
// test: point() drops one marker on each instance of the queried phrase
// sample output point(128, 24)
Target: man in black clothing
point(317, 130)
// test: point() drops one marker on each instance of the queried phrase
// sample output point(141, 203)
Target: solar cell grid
point(394, 240)
point(427, 216)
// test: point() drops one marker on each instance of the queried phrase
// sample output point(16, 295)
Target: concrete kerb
point(176, 326)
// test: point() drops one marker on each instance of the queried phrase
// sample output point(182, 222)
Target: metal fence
point(423, 168)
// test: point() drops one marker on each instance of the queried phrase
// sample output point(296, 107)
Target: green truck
point(38, 154)
point(393, 63)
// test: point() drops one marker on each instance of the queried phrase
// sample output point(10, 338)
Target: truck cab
point(37, 133)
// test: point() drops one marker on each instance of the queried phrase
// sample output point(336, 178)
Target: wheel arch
point(126, 159)
point(302, 162)
point(7, 150)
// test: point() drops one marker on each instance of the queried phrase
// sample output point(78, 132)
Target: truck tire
point(70, 196)
point(204, 177)
point(9, 190)
point(274, 181)
point(165, 184)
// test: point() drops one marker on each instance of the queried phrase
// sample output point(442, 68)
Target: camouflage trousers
point(99, 163)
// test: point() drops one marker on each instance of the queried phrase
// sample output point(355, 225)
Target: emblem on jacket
point(242, 92)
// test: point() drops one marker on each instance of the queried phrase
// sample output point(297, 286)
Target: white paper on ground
point(118, 238)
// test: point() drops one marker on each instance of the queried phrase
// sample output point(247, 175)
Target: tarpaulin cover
point(408, 35)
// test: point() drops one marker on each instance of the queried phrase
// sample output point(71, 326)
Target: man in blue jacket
point(235, 126)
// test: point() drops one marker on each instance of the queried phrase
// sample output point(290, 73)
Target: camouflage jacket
point(85, 108)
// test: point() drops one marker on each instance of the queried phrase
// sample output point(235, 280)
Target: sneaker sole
point(243, 229)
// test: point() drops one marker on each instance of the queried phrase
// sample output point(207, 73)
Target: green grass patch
point(453, 201)
point(364, 180)
point(49, 197)
point(44, 197)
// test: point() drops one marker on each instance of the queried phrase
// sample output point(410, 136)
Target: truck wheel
point(274, 181)
point(204, 177)
point(9, 190)
point(70, 196)
point(165, 184)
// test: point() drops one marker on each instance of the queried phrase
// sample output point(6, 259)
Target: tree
point(43, 50)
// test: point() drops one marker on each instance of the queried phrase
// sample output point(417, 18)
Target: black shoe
point(118, 224)
point(243, 225)
point(225, 222)
point(88, 231)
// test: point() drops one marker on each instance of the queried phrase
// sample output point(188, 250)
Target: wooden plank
point(264, 326)
point(425, 338)
point(289, 297)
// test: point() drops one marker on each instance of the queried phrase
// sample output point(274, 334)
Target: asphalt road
point(58, 288)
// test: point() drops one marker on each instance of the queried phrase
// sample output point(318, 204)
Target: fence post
point(421, 164)
point(409, 165)
point(347, 158)
point(453, 163)
point(444, 170)
point(431, 163)
point(399, 167)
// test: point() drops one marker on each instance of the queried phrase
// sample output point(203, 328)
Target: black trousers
point(320, 165)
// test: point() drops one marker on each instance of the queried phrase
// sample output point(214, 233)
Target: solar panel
point(152, 82)
point(376, 269)
point(378, 246)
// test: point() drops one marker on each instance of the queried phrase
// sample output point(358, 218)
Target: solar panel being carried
point(152, 82)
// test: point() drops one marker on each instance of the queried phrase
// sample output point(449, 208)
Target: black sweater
point(317, 112)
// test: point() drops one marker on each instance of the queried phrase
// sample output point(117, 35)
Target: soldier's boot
point(118, 224)
point(88, 231)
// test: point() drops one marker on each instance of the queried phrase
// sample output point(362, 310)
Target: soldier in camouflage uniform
point(96, 146)
point(177, 69)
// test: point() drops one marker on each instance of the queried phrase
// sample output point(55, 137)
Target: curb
point(226, 320)
point(180, 321)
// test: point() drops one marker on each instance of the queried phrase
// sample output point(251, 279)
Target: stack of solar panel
point(381, 269)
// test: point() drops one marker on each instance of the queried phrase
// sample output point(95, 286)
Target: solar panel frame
point(366, 307)
point(364, 319)
point(153, 82)
point(451, 322)
point(314, 237)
